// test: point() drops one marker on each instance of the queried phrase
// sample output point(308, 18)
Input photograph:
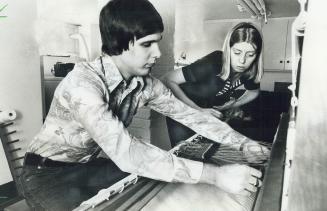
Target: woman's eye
point(237, 53)
point(251, 55)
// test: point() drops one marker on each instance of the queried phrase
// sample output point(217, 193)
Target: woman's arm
point(161, 99)
point(247, 97)
point(172, 80)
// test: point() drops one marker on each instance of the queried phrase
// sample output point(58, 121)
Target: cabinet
point(277, 44)
point(276, 36)
point(48, 81)
point(49, 86)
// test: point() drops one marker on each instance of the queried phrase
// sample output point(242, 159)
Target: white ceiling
point(226, 9)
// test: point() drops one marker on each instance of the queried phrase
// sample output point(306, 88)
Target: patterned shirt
point(80, 123)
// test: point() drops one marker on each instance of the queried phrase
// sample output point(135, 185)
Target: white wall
point(72, 11)
point(5, 175)
point(199, 29)
point(159, 133)
point(80, 12)
point(20, 80)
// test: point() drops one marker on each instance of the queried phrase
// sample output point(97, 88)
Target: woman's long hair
point(244, 32)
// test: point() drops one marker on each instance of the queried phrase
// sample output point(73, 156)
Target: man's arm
point(85, 99)
point(231, 178)
point(162, 100)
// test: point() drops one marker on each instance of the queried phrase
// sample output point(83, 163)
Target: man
point(95, 103)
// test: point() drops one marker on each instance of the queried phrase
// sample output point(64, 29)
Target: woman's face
point(242, 56)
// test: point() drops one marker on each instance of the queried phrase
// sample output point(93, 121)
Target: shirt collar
point(113, 76)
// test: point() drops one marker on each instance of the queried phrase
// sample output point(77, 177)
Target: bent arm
point(247, 97)
point(163, 101)
point(172, 80)
point(129, 153)
point(231, 178)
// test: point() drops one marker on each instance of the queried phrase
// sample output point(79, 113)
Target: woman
point(210, 84)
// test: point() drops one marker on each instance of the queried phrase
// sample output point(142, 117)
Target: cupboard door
point(288, 50)
point(274, 36)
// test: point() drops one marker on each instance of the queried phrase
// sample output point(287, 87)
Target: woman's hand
point(233, 113)
point(226, 105)
point(235, 178)
point(212, 112)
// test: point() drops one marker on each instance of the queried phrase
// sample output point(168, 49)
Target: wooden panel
point(186, 197)
point(155, 195)
point(308, 184)
point(269, 198)
point(132, 198)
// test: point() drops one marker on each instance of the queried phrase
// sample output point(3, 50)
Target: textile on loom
point(187, 197)
point(205, 150)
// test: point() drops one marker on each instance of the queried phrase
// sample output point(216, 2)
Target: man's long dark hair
point(122, 21)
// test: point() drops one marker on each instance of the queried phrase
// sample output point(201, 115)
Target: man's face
point(141, 56)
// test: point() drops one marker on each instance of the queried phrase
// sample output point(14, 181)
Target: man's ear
point(131, 43)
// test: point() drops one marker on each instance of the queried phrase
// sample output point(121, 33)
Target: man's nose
point(156, 53)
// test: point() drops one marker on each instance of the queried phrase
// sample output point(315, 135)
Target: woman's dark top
point(205, 88)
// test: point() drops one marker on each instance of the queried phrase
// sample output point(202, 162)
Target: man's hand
point(235, 178)
point(255, 152)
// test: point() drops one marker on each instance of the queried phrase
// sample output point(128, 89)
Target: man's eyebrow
point(152, 40)
point(157, 40)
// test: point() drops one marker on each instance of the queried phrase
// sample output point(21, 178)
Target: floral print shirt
point(79, 123)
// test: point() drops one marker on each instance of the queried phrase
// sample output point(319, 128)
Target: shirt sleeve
point(203, 68)
point(130, 154)
point(163, 101)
